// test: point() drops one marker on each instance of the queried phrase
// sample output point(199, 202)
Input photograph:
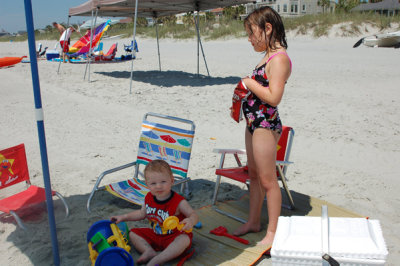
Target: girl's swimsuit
point(258, 113)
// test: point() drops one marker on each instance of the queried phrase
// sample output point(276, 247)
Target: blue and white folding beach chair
point(165, 141)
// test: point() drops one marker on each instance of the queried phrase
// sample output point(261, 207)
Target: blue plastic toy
point(108, 244)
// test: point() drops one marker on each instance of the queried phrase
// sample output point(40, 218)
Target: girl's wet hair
point(263, 15)
point(158, 166)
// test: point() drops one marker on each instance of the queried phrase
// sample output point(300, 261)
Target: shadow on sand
point(172, 78)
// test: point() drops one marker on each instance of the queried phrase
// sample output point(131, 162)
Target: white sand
point(342, 102)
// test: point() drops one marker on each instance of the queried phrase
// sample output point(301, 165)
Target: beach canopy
point(148, 8)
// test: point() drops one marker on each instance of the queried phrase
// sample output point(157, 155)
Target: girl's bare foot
point(146, 256)
point(267, 240)
point(247, 228)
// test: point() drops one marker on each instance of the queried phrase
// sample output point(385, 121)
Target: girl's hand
point(248, 82)
point(245, 78)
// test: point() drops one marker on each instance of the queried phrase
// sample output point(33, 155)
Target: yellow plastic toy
point(172, 222)
point(104, 235)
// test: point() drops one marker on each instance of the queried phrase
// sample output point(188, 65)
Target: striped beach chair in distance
point(162, 137)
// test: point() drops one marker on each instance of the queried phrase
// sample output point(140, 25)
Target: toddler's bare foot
point(246, 228)
point(146, 256)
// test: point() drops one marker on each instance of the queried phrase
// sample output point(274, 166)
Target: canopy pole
point(202, 51)
point(41, 131)
point(62, 48)
point(91, 42)
point(91, 34)
point(158, 46)
point(134, 40)
point(196, 21)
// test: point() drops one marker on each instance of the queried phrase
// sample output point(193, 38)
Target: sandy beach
point(341, 101)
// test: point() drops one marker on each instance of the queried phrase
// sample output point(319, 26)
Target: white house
point(291, 8)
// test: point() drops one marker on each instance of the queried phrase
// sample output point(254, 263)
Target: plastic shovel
point(222, 231)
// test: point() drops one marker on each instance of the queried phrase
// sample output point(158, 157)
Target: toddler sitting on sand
point(160, 203)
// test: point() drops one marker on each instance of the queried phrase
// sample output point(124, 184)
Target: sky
point(45, 12)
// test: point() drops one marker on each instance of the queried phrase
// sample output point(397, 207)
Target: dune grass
point(351, 24)
point(319, 25)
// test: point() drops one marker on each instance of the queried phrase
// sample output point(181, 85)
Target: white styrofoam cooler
point(300, 240)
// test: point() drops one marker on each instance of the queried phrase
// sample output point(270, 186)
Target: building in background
point(293, 8)
point(385, 7)
point(218, 12)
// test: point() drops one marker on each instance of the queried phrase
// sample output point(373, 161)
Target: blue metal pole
point(40, 127)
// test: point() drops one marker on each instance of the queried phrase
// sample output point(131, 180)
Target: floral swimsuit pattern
point(259, 114)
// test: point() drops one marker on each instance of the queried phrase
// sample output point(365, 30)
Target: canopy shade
point(148, 8)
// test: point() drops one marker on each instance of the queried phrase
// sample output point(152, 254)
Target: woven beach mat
point(219, 250)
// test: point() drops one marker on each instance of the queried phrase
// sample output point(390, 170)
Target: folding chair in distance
point(110, 55)
point(13, 170)
point(131, 47)
point(170, 140)
point(240, 172)
point(131, 50)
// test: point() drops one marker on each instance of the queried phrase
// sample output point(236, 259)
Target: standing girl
point(266, 34)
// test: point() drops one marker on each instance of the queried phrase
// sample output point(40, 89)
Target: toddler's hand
point(188, 224)
point(116, 219)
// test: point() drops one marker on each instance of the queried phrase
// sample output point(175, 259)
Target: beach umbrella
point(168, 138)
point(184, 142)
point(150, 134)
point(40, 127)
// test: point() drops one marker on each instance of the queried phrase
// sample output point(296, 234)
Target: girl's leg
point(264, 151)
point(143, 247)
point(256, 193)
point(176, 248)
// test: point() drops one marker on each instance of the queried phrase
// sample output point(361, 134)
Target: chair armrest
point(230, 151)
point(118, 168)
point(101, 176)
point(234, 152)
point(110, 171)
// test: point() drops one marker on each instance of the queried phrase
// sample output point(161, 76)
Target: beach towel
point(240, 95)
